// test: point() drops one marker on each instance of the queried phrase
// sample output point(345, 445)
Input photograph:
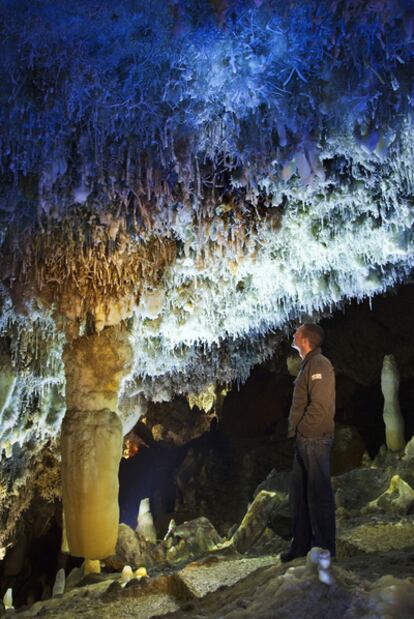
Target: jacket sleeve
point(299, 403)
point(320, 386)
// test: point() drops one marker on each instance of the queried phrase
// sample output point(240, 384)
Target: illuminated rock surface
point(92, 442)
point(242, 178)
point(90, 481)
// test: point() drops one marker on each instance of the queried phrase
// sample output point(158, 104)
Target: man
point(311, 423)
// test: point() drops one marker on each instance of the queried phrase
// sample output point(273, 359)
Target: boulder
point(397, 499)
point(348, 449)
point(132, 549)
point(255, 521)
point(191, 540)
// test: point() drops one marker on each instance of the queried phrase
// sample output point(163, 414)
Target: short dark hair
point(314, 334)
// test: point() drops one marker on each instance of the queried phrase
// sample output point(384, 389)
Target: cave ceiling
point(207, 172)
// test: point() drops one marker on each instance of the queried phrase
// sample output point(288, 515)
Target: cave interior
point(183, 183)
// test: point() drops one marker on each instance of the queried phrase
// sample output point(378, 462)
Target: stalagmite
point(91, 566)
point(64, 547)
point(92, 442)
point(8, 380)
point(394, 422)
point(91, 450)
point(145, 522)
point(8, 599)
point(127, 574)
point(59, 586)
point(141, 573)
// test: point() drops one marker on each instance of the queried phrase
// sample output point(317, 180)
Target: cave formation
point(182, 183)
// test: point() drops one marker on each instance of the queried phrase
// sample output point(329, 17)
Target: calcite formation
point(92, 442)
point(393, 419)
point(397, 498)
point(91, 450)
point(209, 188)
point(254, 521)
point(145, 522)
point(59, 585)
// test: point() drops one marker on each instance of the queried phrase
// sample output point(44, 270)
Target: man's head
point(307, 337)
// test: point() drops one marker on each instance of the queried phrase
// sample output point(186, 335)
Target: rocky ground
point(195, 573)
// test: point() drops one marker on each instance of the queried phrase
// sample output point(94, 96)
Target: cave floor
point(368, 584)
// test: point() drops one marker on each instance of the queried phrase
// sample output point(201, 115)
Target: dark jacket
point(313, 403)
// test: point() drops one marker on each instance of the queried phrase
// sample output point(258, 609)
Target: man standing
point(311, 422)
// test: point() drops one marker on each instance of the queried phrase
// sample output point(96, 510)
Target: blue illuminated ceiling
point(210, 171)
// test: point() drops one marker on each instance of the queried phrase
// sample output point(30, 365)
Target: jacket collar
point(312, 353)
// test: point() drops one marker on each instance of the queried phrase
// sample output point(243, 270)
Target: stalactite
point(214, 130)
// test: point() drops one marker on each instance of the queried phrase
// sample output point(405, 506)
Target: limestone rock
point(92, 441)
point(254, 522)
point(357, 487)
point(279, 518)
point(175, 422)
point(91, 566)
point(268, 543)
point(409, 450)
point(192, 539)
point(127, 574)
point(293, 363)
point(140, 573)
point(132, 549)
point(128, 550)
point(8, 378)
point(348, 449)
point(398, 498)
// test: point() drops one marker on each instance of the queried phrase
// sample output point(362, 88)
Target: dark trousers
point(311, 496)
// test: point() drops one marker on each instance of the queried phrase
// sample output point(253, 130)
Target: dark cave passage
point(216, 474)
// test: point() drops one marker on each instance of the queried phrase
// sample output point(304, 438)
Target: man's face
point(298, 339)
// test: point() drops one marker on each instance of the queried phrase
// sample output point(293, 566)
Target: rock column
point(393, 419)
point(92, 441)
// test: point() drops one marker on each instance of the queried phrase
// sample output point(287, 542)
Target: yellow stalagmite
point(92, 441)
point(91, 451)
point(91, 567)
